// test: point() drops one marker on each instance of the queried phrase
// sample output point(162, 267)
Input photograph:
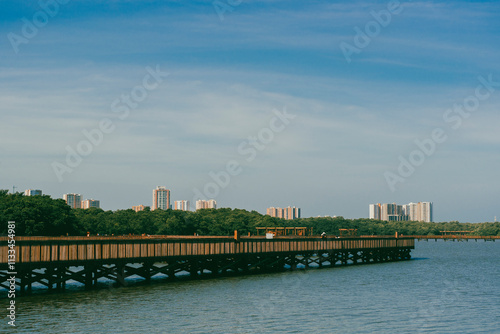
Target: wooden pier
point(52, 261)
point(454, 237)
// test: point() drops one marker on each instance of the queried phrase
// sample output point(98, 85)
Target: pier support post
point(293, 262)
point(50, 277)
point(29, 281)
point(120, 274)
point(147, 271)
point(89, 270)
point(22, 283)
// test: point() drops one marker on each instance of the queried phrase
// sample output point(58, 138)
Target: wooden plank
point(4, 253)
point(164, 249)
point(90, 251)
point(144, 250)
point(55, 253)
point(82, 252)
point(72, 252)
point(106, 251)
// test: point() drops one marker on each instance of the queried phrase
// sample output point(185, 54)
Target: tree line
point(44, 216)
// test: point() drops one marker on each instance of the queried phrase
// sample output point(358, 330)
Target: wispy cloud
point(353, 120)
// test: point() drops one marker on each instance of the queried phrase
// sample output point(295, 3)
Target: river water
point(448, 287)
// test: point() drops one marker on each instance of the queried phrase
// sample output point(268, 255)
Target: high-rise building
point(421, 211)
point(425, 211)
point(413, 212)
point(385, 210)
point(90, 203)
point(406, 210)
point(272, 211)
point(32, 192)
point(73, 200)
point(286, 213)
point(292, 212)
point(202, 204)
point(161, 198)
point(181, 205)
point(391, 211)
point(375, 211)
point(138, 208)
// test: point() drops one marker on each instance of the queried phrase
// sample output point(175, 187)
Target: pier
point(53, 261)
point(454, 237)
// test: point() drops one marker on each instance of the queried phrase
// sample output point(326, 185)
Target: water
point(448, 287)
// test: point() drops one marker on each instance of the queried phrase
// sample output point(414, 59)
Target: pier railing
point(76, 249)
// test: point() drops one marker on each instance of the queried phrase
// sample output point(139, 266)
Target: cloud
point(353, 120)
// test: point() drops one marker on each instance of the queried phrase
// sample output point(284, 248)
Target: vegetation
point(42, 215)
point(36, 215)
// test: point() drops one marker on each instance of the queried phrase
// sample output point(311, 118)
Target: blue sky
point(228, 77)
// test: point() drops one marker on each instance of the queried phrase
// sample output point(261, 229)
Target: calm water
point(449, 287)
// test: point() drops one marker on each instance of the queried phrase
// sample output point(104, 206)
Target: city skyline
point(330, 105)
point(421, 211)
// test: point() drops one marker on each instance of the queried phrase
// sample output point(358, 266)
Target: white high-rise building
point(413, 212)
point(375, 211)
point(161, 198)
point(425, 211)
point(181, 205)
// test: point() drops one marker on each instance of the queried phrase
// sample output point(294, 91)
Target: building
point(375, 211)
point(413, 212)
point(291, 213)
point(202, 204)
point(272, 211)
point(391, 212)
point(181, 205)
point(387, 212)
point(138, 208)
point(424, 210)
point(32, 192)
point(421, 211)
point(90, 203)
point(406, 210)
point(286, 213)
point(161, 198)
point(73, 200)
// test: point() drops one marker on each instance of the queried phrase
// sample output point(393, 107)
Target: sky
point(324, 105)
